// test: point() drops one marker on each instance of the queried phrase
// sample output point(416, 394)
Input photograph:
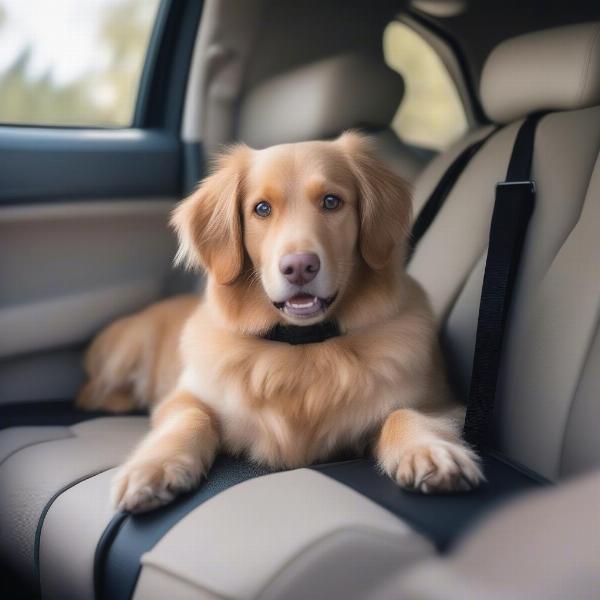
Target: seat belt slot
point(527, 184)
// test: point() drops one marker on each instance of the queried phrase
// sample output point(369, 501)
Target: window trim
point(150, 65)
point(161, 91)
point(142, 161)
point(102, 164)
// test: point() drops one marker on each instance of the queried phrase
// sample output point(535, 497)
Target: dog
point(292, 236)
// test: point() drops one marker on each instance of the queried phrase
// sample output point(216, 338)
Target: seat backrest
point(322, 99)
point(548, 404)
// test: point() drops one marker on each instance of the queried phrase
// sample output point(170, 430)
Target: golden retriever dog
point(293, 235)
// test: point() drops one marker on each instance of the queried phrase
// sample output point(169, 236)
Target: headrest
point(554, 69)
point(320, 100)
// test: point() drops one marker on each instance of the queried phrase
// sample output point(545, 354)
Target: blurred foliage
point(104, 95)
point(431, 113)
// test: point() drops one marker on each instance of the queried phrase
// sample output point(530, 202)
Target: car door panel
point(84, 235)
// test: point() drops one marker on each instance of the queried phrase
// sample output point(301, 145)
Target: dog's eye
point(263, 209)
point(330, 202)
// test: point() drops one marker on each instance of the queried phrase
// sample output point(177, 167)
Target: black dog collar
point(297, 334)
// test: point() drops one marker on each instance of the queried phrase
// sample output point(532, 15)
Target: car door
point(91, 98)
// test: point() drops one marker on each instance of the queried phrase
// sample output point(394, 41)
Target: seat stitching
point(47, 506)
point(597, 317)
point(586, 67)
point(197, 499)
point(577, 218)
point(580, 372)
point(359, 528)
point(595, 165)
point(68, 435)
point(479, 256)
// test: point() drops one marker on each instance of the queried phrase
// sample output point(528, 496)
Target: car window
point(72, 62)
point(431, 113)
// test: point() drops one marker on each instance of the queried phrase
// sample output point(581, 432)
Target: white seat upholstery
point(323, 99)
point(525, 552)
point(71, 529)
point(261, 528)
point(320, 100)
point(547, 407)
point(555, 69)
point(35, 474)
point(260, 536)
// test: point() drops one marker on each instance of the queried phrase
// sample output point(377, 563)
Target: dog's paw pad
point(438, 467)
point(144, 486)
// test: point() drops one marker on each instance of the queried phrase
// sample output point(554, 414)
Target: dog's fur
point(214, 383)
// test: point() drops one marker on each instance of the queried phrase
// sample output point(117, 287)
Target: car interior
point(84, 238)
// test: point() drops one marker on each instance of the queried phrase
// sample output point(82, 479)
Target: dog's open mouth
point(304, 306)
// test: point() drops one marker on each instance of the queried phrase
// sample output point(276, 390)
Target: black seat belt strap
point(512, 210)
point(441, 191)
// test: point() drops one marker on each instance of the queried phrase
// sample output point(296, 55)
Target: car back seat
point(546, 408)
point(252, 538)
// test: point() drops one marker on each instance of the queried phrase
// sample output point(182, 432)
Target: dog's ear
point(208, 222)
point(385, 205)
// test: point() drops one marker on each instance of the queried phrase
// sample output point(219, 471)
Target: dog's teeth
point(304, 304)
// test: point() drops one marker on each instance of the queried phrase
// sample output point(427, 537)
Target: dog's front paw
point(142, 486)
point(435, 467)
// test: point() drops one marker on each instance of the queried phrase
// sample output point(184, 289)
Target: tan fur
point(173, 457)
point(380, 384)
point(135, 361)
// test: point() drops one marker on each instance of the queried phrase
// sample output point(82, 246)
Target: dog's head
point(302, 220)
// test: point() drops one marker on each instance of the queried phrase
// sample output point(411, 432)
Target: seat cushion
point(235, 544)
point(38, 465)
point(60, 533)
point(439, 519)
point(545, 545)
point(69, 535)
point(57, 521)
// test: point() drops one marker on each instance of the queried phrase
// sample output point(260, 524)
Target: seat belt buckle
point(510, 184)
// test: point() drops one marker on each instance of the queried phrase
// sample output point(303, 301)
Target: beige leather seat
point(323, 99)
point(301, 534)
point(40, 469)
point(548, 407)
point(543, 547)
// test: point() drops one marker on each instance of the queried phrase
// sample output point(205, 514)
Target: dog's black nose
point(300, 268)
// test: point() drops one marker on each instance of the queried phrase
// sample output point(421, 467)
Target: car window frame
point(140, 161)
